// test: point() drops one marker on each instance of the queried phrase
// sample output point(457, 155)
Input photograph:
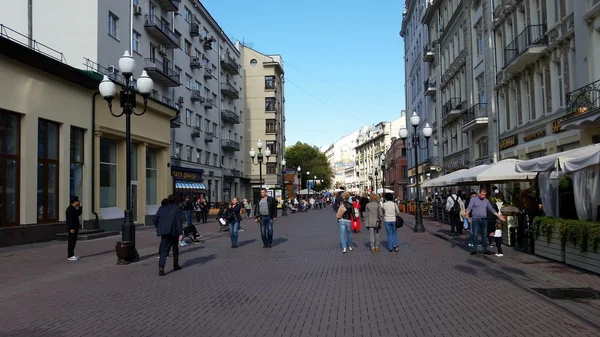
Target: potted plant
point(549, 237)
point(498, 202)
point(580, 240)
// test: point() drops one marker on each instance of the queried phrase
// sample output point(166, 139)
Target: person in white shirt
point(498, 239)
point(454, 205)
point(312, 202)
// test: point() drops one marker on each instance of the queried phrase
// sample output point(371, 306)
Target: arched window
point(482, 147)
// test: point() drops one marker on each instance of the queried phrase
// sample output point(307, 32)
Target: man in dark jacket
point(168, 226)
point(73, 212)
point(338, 201)
point(265, 212)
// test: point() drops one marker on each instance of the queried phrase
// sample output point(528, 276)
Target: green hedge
point(582, 234)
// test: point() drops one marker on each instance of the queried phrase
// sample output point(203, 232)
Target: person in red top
point(356, 219)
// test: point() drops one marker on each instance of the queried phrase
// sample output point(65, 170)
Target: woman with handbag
point(234, 218)
point(373, 219)
point(356, 220)
point(390, 212)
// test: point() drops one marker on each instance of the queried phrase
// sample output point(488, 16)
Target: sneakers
point(182, 243)
point(499, 255)
point(470, 245)
point(350, 248)
point(73, 258)
point(343, 250)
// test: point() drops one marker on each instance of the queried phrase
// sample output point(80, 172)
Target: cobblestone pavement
point(303, 286)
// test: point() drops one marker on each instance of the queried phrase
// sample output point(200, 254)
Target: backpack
point(455, 207)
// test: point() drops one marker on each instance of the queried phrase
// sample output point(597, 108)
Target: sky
point(343, 59)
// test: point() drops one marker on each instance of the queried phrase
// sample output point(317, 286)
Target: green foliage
point(582, 234)
point(312, 160)
point(564, 182)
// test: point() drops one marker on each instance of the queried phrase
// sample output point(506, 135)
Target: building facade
point(342, 159)
point(56, 130)
point(195, 67)
point(265, 118)
point(396, 169)
point(371, 143)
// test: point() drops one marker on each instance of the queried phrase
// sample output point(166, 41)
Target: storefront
point(188, 182)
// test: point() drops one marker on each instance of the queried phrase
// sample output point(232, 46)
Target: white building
point(341, 157)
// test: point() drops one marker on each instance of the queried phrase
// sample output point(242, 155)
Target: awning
point(580, 158)
point(504, 170)
point(189, 185)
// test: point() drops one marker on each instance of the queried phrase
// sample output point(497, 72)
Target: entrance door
point(134, 200)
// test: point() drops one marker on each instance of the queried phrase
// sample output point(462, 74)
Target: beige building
point(265, 116)
point(51, 149)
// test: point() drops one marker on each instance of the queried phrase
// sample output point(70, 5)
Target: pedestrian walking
point(248, 208)
point(373, 217)
point(477, 217)
point(390, 212)
point(345, 215)
point(235, 218)
point(356, 218)
point(453, 205)
point(265, 212)
point(491, 223)
point(188, 207)
point(497, 235)
point(167, 221)
point(73, 212)
point(466, 220)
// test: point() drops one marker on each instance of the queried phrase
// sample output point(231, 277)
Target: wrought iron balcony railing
point(532, 35)
point(476, 111)
point(584, 100)
point(452, 104)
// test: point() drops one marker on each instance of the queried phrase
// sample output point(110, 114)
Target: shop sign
point(557, 125)
point(534, 135)
point(185, 175)
point(508, 142)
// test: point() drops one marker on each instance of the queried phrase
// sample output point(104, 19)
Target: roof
point(12, 46)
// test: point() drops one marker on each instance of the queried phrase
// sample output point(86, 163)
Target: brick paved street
point(303, 286)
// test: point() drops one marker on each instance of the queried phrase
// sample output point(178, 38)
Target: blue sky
point(343, 59)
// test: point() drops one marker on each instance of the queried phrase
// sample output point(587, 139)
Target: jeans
point(392, 236)
point(471, 232)
point(345, 233)
point(266, 230)
point(374, 237)
point(479, 226)
point(233, 232)
point(188, 217)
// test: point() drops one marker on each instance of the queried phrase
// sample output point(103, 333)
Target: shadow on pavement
point(246, 242)
point(98, 254)
point(198, 260)
point(465, 269)
point(278, 241)
point(477, 263)
point(513, 270)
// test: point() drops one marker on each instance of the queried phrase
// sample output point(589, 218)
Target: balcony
point(430, 89)
point(232, 173)
point(229, 64)
point(176, 122)
point(196, 96)
point(168, 5)
point(209, 137)
point(208, 74)
point(525, 49)
point(583, 106)
point(194, 29)
point(232, 145)
point(160, 31)
point(476, 117)
point(161, 73)
point(229, 90)
point(195, 62)
point(208, 102)
point(271, 130)
point(428, 54)
point(230, 116)
point(451, 110)
point(207, 43)
point(196, 132)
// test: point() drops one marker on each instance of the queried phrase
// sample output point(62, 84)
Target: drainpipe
point(94, 158)
point(30, 22)
point(496, 104)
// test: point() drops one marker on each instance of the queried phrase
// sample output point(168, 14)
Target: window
point(151, 176)
point(188, 153)
point(188, 47)
point(542, 95)
point(482, 147)
point(404, 171)
point(199, 122)
point(197, 86)
point(214, 129)
point(113, 21)
point(559, 82)
point(207, 158)
point(556, 11)
point(108, 173)
point(136, 2)
point(76, 154)
point(215, 159)
point(47, 183)
point(271, 126)
point(272, 145)
point(206, 125)
point(178, 148)
point(187, 14)
point(271, 168)
point(269, 82)
point(538, 14)
point(270, 103)
point(479, 42)
point(188, 81)
point(135, 42)
point(199, 156)
point(10, 130)
point(481, 89)
point(527, 102)
point(188, 117)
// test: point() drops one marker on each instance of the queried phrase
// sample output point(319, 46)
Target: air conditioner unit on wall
point(162, 50)
point(137, 10)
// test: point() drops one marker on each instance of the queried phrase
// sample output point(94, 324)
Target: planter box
point(552, 251)
point(589, 261)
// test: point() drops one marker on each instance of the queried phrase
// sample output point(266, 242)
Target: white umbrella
point(504, 170)
point(382, 190)
point(337, 190)
point(548, 163)
point(443, 180)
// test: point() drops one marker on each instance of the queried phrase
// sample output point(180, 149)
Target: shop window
point(76, 169)
point(108, 173)
point(10, 136)
point(47, 175)
point(151, 176)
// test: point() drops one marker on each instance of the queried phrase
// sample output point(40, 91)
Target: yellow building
point(48, 154)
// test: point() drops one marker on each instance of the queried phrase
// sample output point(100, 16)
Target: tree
point(312, 160)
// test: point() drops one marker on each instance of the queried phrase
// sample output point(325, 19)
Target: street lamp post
point(299, 169)
point(416, 145)
point(307, 185)
point(383, 169)
point(376, 181)
point(283, 205)
point(127, 253)
point(259, 159)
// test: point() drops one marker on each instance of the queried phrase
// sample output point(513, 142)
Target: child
point(498, 239)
